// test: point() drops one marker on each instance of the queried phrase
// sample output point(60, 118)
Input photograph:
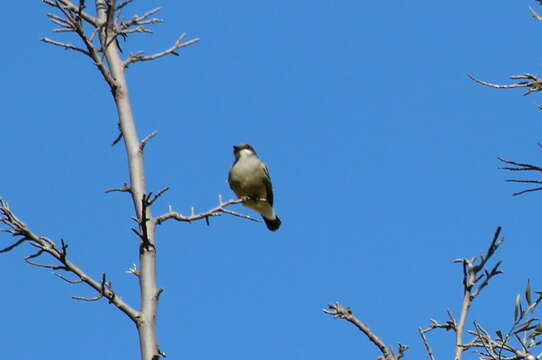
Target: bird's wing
point(268, 185)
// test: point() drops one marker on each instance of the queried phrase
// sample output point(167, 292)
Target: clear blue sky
point(382, 153)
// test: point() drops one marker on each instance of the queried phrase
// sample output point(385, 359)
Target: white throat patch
point(245, 153)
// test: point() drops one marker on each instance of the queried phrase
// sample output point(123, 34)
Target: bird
point(250, 181)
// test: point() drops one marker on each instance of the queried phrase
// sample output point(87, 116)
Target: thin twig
point(65, 45)
point(137, 57)
point(75, 9)
point(426, 344)
point(141, 20)
point(522, 167)
point(146, 140)
point(125, 188)
point(78, 281)
point(155, 197)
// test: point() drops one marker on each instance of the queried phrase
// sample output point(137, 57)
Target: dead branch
point(533, 82)
point(476, 277)
point(517, 166)
point(65, 45)
point(138, 56)
point(146, 140)
point(138, 21)
point(216, 211)
point(426, 344)
point(18, 228)
point(125, 188)
point(72, 8)
point(338, 311)
point(152, 198)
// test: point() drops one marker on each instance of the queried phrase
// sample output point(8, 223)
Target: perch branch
point(216, 211)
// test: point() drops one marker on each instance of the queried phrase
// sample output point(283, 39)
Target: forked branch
point(72, 17)
point(476, 276)
point(20, 230)
point(532, 82)
point(517, 166)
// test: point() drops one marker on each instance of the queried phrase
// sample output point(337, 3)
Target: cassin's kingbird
point(250, 180)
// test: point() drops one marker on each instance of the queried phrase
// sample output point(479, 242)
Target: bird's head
point(243, 150)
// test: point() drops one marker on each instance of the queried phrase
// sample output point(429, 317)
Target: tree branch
point(75, 9)
point(426, 344)
point(65, 45)
point(475, 278)
point(216, 211)
point(137, 57)
point(533, 82)
point(517, 166)
point(340, 312)
point(47, 246)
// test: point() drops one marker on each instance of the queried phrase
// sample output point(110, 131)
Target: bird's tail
point(273, 224)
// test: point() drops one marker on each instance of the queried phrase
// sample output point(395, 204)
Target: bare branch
point(475, 278)
point(78, 281)
point(95, 298)
point(74, 9)
point(152, 199)
point(125, 188)
point(526, 191)
point(123, 4)
point(137, 57)
point(65, 45)
point(522, 167)
point(48, 246)
point(137, 29)
point(525, 181)
point(141, 20)
point(519, 166)
point(133, 270)
point(340, 312)
point(146, 140)
point(534, 83)
point(47, 266)
point(73, 15)
point(401, 351)
point(534, 13)
point(426, 344)
point(216, 211)
point(13, 246)
point(119, 137)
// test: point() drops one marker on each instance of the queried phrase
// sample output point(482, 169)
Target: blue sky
point(382, 153)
